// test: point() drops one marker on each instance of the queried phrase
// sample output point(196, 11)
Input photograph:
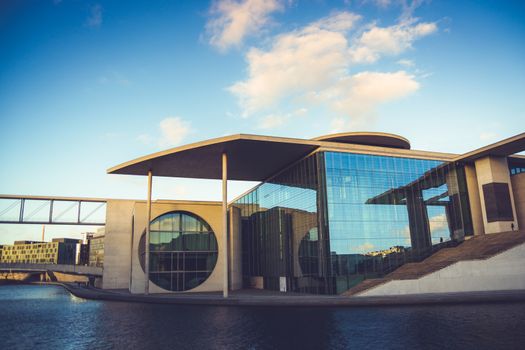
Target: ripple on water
point(48, 317)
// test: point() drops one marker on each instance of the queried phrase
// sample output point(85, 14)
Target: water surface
point(48, 317)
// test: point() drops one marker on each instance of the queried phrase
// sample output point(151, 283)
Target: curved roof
point(255, 157)
point(380, 139)
point(250, 158)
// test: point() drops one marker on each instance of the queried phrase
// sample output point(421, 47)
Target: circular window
point(183, 251)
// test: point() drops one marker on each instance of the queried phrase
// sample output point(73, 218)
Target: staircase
point(475, 248)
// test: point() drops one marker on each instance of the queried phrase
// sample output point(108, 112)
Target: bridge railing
point(16, 209)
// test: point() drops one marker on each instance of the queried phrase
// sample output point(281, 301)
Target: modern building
point(328, 213)
point(95, 248)
point(58, 251)
point(82, 254)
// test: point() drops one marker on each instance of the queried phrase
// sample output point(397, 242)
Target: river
point(48, 317)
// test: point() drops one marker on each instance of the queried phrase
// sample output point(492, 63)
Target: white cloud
point(173, 131)
point(380, 3)
point(310, 67)
point(272, 121)
point(393, 40)
point(438, 223)
point(95, 16)
point(406, 63)
point(358, 95)
point(233, 20)
point(297, 62)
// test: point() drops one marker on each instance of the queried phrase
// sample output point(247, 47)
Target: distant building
point(82, 254)
point(96, 248)
point(59, 251)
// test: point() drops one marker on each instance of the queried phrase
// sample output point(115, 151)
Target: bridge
point(69, 269)
point(16, 209)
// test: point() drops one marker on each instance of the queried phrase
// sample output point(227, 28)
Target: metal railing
point(16, 209)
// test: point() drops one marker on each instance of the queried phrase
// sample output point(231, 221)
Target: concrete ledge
point(251, 298)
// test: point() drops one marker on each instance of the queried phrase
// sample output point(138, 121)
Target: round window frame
point(141, 249)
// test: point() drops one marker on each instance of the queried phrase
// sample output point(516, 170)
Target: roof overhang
point(250, 158)
point(257, 158)
point(501, 148)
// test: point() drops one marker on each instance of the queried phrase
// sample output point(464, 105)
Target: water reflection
point(46, 317)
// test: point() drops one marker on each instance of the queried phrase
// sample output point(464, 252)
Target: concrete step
point(477, 247)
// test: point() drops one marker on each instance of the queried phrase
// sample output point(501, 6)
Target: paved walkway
point(268, 298)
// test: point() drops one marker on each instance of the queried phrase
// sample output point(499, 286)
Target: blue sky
point(85, 85)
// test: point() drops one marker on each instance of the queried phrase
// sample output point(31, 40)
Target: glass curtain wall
point(282, 240)
point(385, 211)
point(334, 219)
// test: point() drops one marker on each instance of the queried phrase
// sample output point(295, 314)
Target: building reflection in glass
point(335, 219)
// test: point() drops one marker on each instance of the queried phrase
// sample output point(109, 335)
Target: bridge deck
point(71, 269)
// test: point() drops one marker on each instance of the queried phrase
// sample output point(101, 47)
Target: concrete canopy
point(501, 148)
point(250, 158)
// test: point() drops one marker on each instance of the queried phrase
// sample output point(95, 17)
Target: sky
point(86, 85)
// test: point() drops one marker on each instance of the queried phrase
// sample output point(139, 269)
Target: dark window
point(497, 202)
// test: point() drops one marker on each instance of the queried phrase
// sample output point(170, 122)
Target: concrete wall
point(474, 200)
point(211, 212)
point(494, 169)
point(518, 189)
point(235, 263)
point(117, 244)
point(501, 272)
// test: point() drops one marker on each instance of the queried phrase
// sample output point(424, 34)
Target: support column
point(146, 256)
point(225, 223)
point(495, 192)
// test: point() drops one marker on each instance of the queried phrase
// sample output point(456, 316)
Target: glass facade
point(334, 219)
point(385, 211)
point(282, 240)
point(183, 251)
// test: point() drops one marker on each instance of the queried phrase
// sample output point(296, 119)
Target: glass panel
point(334, 219)
point(383, 209)
point(176, 255)
point(190, 223)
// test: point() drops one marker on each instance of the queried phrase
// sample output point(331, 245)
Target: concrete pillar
point(148, 221)
point(490, 170)
point(418, 222)
point(235, 248)
point(454, 210)
point(225, 222)
point(474, 200)
point(518, 187)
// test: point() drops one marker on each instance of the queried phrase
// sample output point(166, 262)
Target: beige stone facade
point(126, 223)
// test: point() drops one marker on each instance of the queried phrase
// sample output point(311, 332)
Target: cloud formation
point(173, 130)
point(393, 40)
point(95, 16)
point(272, 121)
point(232, 20)
point(311, 66)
